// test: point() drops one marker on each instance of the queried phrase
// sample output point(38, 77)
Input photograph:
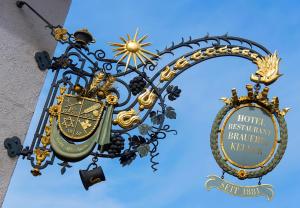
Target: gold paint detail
point(181, 63)
point(108, 84)
point(147, 99)
point(60, 34)
point(112, 99)
point(96, 81)
point(40, 155)
point(45, 141)
point(167, 74)
point(85, 124)
point(54, 110)
point(62, 90)
point(268, 69)
point(261, 98)
point(133, 48)
point(126, 119)
point(242, 174)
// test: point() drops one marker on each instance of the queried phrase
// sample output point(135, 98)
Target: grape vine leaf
point(157, 119)
point(144, 129)
point(170, 112)
point(143, 150)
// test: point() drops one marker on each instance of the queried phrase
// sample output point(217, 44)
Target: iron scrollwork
point(143, 90)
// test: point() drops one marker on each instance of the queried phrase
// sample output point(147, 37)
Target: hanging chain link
point(223, 174)
point(259, 180)
point(257, 86)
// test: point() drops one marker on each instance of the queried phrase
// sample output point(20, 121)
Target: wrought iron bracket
point(43, 60)
point(15, 148)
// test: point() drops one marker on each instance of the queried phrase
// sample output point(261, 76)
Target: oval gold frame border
point(268, 158)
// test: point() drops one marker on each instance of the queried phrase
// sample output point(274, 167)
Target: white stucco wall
point(21, 35)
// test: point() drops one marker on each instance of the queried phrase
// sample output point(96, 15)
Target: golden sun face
point(133, 49)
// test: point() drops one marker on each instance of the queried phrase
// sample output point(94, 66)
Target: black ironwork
point(43, 60)
point(77, 65)
point(13, 146)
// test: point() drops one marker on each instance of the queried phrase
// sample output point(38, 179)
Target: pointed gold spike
point(142, 39)
point(150, 53)
point(121, 52)
point(135, 35)
point(146, 57)
point(284, 111)
point(145, 44)
point(140, 58)
point(116, 44)
point(225, 100)
point(123, 39)
point(134, 60)
point(124, 55)
point(128, 60)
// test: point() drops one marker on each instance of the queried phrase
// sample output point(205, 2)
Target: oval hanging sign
point(248, 136)
point(248, 139)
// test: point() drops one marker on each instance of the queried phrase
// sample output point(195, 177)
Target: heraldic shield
point(79, 116)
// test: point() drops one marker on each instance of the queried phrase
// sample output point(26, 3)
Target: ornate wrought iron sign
point(109, 108)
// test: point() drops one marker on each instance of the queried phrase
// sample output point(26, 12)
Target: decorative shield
point(79, 116)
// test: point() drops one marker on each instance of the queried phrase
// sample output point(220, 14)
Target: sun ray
point(128, 60)
point(145, 44)
point(121, 52)
point(134, 60)
point(123, 39)
point(148, 52)
point(128, 36)
point(119, 49)
point(116, 44)
point(140, 58)
point(142, 39)
point(135, 35)
point(124, 56)
point(146, 57)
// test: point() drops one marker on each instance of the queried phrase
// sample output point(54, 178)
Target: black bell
point(91, 177)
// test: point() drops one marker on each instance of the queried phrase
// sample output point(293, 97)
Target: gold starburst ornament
point(133, 49)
